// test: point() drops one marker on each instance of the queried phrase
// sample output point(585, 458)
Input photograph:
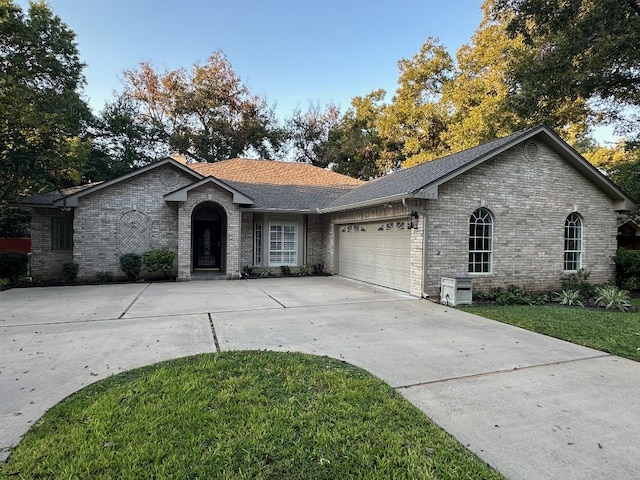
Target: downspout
point(424, 244)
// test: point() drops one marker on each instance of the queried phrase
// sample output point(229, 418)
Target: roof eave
point(308, 211)
point(72, 200)
point(366, 203)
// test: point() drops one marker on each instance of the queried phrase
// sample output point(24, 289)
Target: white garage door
point(377, 252)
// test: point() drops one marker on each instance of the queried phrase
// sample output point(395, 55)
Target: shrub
point(247, 271)
point(570, 298)
point(13, 265)
point(627, 267)
point(69, 272)
point(610, 296)
point(131, 264)
point(158, 260)
point(512, 295)
point(265, 272)
point(104, 277)
point(578, 281)
point(304, 270)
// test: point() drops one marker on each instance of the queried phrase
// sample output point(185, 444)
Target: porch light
point(413, 220)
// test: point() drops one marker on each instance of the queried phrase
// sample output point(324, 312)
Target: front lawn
point(611, 331)
point(254, 415)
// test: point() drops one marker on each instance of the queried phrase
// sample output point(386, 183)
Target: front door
point(207, 242)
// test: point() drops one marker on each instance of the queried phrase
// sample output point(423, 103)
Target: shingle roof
point(47, 199)
point(273, 173)
point(288, 197)
point(277, 185)
point(414, 178)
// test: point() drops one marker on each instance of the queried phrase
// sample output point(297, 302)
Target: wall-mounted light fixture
point(413, 220)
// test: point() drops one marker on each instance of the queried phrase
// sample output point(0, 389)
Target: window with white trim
point(283, 244)
point(480, 241)
point(257, 243)
point(573, 243)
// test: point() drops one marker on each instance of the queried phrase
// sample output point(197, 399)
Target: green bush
point(158, 260)
point(104, 277)
point(304, 271)
point(570, 298)
point(610, 297)
point(578, 281)
point(265, 272)
point(131, 264)
point(69, 272)
point(627, 268)
point(511, 295)
point(247, 271)
point(13, 265)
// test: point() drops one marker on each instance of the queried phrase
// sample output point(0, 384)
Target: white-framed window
point(573, 243)
point(480, 241)
point(283, 243)
point(257, 243)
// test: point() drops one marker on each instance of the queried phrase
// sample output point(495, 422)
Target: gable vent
point(531, 151)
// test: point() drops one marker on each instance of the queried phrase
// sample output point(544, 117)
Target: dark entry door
point(207, 244)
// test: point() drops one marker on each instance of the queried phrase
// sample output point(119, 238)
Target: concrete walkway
point(531, 406)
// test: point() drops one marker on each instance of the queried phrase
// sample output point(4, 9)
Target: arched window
point(480, 241)
point(573, 243)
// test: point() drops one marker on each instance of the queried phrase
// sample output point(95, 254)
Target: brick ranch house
point(525, 210)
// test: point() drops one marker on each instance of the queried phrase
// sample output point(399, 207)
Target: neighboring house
point(525, 210)
point(629, 231)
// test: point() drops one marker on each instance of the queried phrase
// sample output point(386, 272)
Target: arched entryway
point(208, 237)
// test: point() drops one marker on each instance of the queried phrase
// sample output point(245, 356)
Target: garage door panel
point(376, 252)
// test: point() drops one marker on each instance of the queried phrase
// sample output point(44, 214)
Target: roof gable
point(181, 194)
point(422, 181)
point(72, 200)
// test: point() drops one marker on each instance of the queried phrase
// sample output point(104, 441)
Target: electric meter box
point(456, 290)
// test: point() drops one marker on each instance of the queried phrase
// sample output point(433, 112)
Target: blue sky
point(291, 52)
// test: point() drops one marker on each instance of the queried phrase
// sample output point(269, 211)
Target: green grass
point(254, 415)
point(610, 331)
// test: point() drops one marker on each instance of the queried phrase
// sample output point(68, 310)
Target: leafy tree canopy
point(41, 107)
point(207, 113)
point(578, 49)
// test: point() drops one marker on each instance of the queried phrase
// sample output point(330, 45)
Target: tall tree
point(476, 96)
point(42, 112)
point(309, 133)
point(579, 49)
point(356, 147)
point(207, 113)
point(121, 142)
point(415, 118)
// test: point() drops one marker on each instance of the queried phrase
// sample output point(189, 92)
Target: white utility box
point(456, 290)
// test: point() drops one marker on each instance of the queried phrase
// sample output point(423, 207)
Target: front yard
point(241, 415)
point(610, 331)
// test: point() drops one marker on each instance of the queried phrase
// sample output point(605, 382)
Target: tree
point(120, 142)
point(41, 109)
point(355, 144)
point(207, 113)
point(578, 49)
point(621, 163)
point(309, 133)
point(415, 119)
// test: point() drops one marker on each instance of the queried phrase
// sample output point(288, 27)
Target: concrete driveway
point(531, 406)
